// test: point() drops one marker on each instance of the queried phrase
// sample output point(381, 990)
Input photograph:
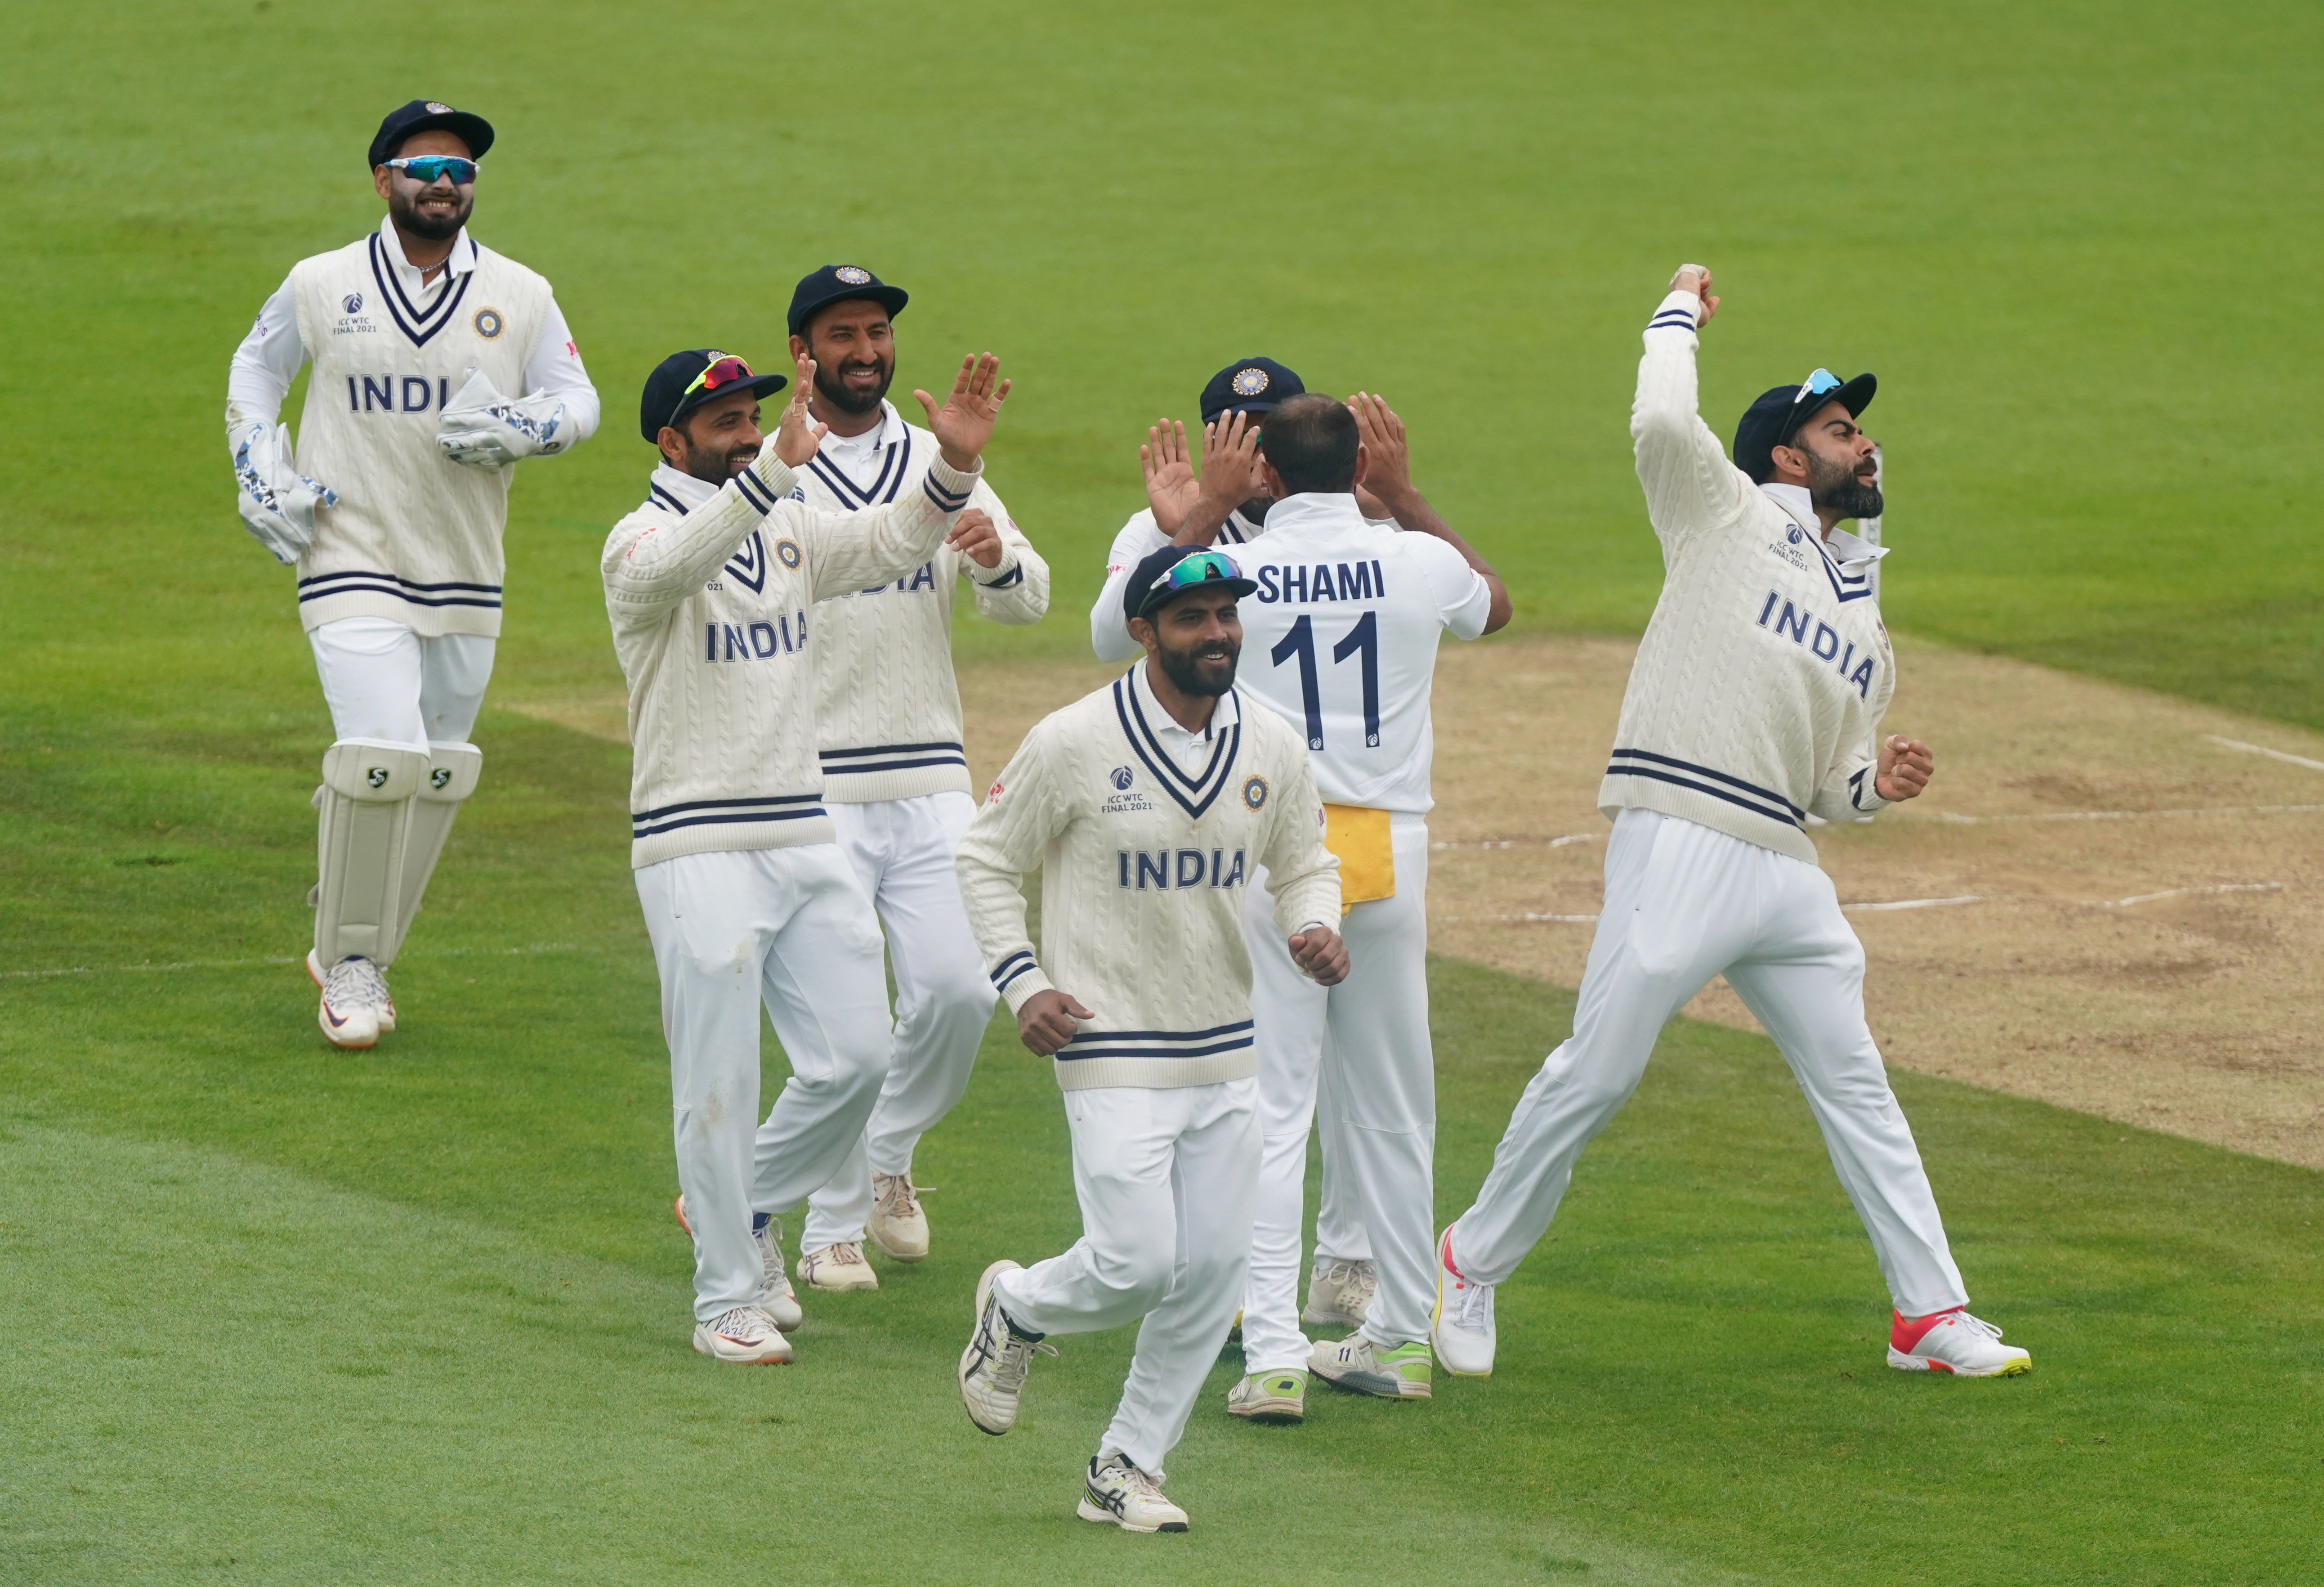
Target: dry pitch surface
point(2108, 899)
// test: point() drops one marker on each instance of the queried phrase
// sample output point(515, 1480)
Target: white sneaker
point(1269, 1396)
point(1393, 1372)
point(355, 1000)
point(1338, 1293)
point(1462, 1330)
point(837, 1268)
point(1953, 1342)
point(992, 1368)
point(1121, 1494)
point(744, 1336)
point(898, 1226)
point(776, 1297)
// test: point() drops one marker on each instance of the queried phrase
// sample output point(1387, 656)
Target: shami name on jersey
point(1326, 581)
point(1165, 869)
point(1791, 623)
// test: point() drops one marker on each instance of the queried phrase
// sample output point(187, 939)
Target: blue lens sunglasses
point(427, 170)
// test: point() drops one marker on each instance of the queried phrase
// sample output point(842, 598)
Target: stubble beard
point(1834, 488)
point(828, 386)
point(1184, 669)
point(435, 229)
point(712, 466)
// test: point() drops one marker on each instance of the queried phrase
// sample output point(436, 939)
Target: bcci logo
point(1250, 382)
point(786, 552)
point(852, 275)
point(376, 775)
point(1122, 778)
point(1254, 789)
point(436, 109)
point(352, 302)
point(489, 324)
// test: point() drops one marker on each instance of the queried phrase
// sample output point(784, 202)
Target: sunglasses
point(1817, 384)
point(427, 170)
point(1201, 567)
point(724, 369)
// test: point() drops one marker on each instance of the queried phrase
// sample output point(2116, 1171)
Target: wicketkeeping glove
point(483, 429)
point(277, 502)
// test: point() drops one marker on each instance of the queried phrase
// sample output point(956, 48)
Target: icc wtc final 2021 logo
point(1122, 778)
point(352, 302)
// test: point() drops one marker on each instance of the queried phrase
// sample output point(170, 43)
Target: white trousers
point(1684, 903)
point(383, 681)
point(788, 928)
point(1356, 1058)
point(902, 852)
point(1165, 1178)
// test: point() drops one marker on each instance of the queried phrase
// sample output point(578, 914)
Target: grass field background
point(273, 1314)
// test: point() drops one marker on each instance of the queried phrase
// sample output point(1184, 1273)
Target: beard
point(829, 385)
point(1197, 672)
point(436, 228)
point(712, 466)
point(1835, 488)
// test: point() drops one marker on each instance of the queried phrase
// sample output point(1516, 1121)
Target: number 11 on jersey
point(1362, 642)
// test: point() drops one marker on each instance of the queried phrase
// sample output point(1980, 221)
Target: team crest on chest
point(1123, 777)
point(1254, 792)
point(787, 551)
point(489, 324)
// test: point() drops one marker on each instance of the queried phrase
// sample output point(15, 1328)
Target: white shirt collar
point(872, 442)
point(459, 262)
point(1846, 550)
point(1315, 510)
point(689, 492)
point(1181, 743)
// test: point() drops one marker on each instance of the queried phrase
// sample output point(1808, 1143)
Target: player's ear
point(798, 349)
point(672, 442)
point(1363, 461)
point(1142, 630)
point(379, 180)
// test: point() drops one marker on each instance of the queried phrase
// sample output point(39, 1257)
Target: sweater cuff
point(1017, 977)
point(1862, 797)
point(766, 482)
point(1679, 311)
point(948, 487)
point(1008, 576)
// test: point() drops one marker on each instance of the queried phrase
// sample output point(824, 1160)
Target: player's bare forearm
point(1202, 524)
point(1412, 513)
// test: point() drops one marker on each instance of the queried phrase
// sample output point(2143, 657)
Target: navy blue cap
point(667, 400)
point(1144, 593)
point(424, 115)
point(835, 283)
point(1249, 385)
point(1775, 418)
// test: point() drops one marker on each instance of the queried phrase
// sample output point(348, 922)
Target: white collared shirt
point(1192, 750)
point(1846, 550)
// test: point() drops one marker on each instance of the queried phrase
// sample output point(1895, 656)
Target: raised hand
point(1389, 475)
point(1906, 764)
point(1230, 464)
point(1170, 486)
point(975, 536)
point(1696, 279)
point(800, 435)
point(964, 423)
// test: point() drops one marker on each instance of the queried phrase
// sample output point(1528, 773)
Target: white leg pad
point(453, 770)
point(368, 788)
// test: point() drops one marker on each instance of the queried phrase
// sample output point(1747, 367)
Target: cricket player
point(391, 508)
point(894, 779)
point(1343, 1279)
point(748, 898)
point(1146, 807)
point(1343, 629)
point(1762, 675)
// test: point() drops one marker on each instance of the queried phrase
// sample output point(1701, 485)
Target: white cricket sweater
point(888, 718)
point(708, 589)
point(416, 537)
point(1143, 864)
point(1765, 666)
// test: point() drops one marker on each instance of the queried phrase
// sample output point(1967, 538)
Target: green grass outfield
point(267, 1313)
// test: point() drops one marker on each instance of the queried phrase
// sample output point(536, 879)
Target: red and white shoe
point(1953, 1342)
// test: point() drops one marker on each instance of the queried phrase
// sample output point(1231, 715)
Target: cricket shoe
point(1119, 1493)
point(777, 1298)
point(744, 1336)
point(356, 1010)
point(1395, 1372)
point(898, 1225)
point(1462, 1328)
point(999, 1354)
point(1953, 1342)
point(837, 1268)
point(1277, 1398)
point(1338, 1293)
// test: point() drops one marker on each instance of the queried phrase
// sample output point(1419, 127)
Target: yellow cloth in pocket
point(1367, 863)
